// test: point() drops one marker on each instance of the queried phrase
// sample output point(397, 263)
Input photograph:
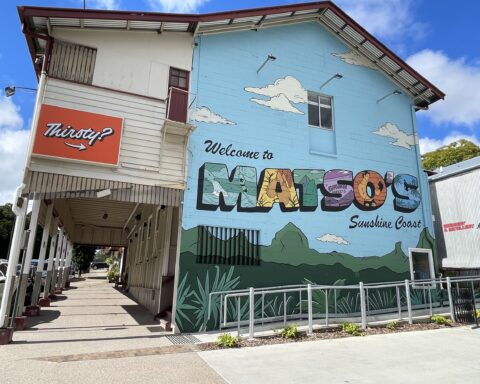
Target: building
point(297, 160)
point(456, 213)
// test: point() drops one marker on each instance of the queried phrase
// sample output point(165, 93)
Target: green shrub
point(392, 325)
point(478, 314)
point(352, 329)
point(440, 320)
point(289, 332)
point(227, 341)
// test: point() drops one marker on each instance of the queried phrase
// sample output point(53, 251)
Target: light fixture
point(270, 57)
point(337, 76)
point(395, 92)
point(10, 91)
point(105, 216)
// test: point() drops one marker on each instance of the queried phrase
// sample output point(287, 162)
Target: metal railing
point(329, 302)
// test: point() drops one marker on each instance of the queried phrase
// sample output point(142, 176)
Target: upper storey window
point(320, 110)
point(178, 78)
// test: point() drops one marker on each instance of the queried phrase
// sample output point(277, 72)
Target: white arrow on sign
point(80, 146)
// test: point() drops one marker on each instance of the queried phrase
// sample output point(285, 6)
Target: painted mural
point(335, 219)
point(367, 190)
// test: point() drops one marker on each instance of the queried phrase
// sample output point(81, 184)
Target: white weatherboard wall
point(458, 202)
point(136, 62)
point(133, 62)
point(142, 158)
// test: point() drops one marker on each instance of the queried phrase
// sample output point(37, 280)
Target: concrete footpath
point(94, 333)
point(437, 356)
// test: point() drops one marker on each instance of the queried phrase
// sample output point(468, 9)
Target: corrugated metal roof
point(454, 169)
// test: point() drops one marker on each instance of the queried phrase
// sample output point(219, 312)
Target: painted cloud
point(330, 238)
point(283, 92)
point(401, 139)
point(355, 58)
point(280, 103)
point(205, 115)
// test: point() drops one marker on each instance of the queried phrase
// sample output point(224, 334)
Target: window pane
point(313, 97)
point(325, 100)
point(174, 81)
point(175, 72)
point(313, 115)
point(182, 83)
point(326, 115)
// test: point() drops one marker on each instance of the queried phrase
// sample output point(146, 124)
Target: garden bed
point(326, 334)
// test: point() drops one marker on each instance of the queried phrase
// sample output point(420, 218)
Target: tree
point(450, 154)
point(82, 256)
point(7, 221)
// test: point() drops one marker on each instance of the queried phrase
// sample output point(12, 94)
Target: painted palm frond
point(349, 303)
point(201, 295)
point(183, 293)
point(275, 307)
point(321, 297)
point(382, 299)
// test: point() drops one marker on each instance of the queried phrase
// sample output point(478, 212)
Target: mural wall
point(333, 218)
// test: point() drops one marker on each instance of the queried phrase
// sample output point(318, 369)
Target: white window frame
point(431, 265)
point(320, 105)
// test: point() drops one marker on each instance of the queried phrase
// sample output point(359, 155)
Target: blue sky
point(438, 38)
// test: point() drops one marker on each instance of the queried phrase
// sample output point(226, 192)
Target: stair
point(165, 318)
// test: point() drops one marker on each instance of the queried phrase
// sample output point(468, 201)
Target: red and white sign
point(77, 135)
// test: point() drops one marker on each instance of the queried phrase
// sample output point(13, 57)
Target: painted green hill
point(290, 246)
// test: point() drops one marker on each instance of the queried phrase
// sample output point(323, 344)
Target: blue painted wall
point(225, 64)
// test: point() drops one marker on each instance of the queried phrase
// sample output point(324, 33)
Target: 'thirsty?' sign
point(78, 135)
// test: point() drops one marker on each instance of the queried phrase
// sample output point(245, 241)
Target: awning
point(58, 186)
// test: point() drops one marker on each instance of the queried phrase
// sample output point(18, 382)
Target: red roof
point(38, 21)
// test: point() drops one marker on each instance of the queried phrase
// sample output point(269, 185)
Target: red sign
point(77, 135)
point(459, 226)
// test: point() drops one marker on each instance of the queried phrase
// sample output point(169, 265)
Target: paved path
point(438, 356)
point(96, 334)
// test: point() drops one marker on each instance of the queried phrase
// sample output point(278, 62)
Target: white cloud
point(330, 238)
point(176, 6)
point(401, 138)
point(205, 115)
point(280, 103)
point(355, 58)
point(13, 145)
point(100, 4)
point(282, 93)
point(9, 114)
point(458, 79)
point(428, 145)
point(392, 19)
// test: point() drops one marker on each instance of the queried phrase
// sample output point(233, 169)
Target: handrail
point(363, 289)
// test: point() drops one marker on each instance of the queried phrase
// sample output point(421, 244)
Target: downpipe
point(19, 208)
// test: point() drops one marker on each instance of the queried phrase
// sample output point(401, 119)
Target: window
point(233, 246)
point(320, 111)
point(178, 78)
point(421, 264)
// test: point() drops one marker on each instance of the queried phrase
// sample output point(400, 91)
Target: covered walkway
point(90, 312)
point(95, 333)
